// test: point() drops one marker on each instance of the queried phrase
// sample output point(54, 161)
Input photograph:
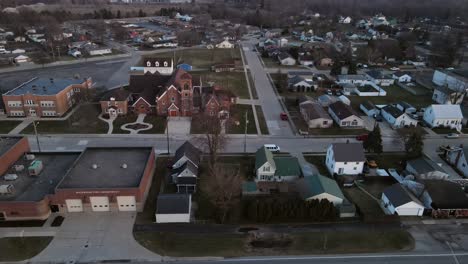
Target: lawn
point(261, 120)
point(319, 163)
point(236, 123)
point(201, 57)
point(22, 248)
point(305, 243)
point(252, 85)
point(233, 81)
point(83, 121)
point(7, 126)
point(388, 161)
point(158, 122)
point(394, 95)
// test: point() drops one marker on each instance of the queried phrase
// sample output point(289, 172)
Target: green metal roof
point(287, 166)
point(318, 184)
point(262, 156)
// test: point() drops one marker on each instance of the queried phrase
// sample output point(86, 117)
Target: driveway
point(90, 237)
point(179, 125)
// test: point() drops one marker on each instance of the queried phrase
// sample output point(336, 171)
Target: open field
point(232, 81)
point(236, 124)
point(84, 121)
point(22, 248)
point(238, 245)
point(201, 57)
point(7, 126)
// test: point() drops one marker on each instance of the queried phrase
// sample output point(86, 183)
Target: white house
point(345, 20)
point(270, 168)
point(352, 78)
point(369, 108)
point(286, 59)
point(98, 51)
point(401, 77)
point(396, 199)
point(225, 44)
point(379, 78)
point(282, 42)
point(454, 80)
point(344, 115)
point(173, 208)
point(396, 117)
point(164, 66)
point(345, 159)
point(444, 116)
point(458, 157)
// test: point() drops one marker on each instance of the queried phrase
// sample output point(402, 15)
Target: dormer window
point(156, 64)
point(148, 63)
point(165, 64)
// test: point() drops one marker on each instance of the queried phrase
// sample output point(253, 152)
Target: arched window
point(148, 63)
point(157, 64)
point(186, 86)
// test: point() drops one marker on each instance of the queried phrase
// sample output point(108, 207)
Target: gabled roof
point(147, 85)
point(446, 111)
point(318, 184)
point(342, 111)
point(368, 105)
point(190, 151)
point(424, 165)
point(287, 166)
point(348, 152)
point(446, 194)
point(262, 156)
point(401, 73)
point(398, 195)
point(187, 165)
point(393, 111)
point(315, 111)
point(119, 94)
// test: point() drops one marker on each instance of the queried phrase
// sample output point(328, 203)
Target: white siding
point(172, 218)
point(331, 198)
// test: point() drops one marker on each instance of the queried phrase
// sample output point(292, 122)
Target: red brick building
point(45, 97)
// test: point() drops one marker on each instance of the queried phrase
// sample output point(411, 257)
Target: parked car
point(338, 93)
point(395, 69)
point(452, 135)
point(362, 137)
point(284, 116)
point(272, 147)
point(378, 118)
point(329, 92)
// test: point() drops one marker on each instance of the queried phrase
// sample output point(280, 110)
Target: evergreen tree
point(119, 15)
point(373, 142)
point(414, 145)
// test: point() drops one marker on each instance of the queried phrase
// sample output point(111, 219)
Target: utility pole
point(37, 136)
point(245, 133)
point(167, 134)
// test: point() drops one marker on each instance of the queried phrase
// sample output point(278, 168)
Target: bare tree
point(223, 187)
point(214, 139)
point(459, 92)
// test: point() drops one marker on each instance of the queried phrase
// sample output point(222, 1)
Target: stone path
point(139, 121)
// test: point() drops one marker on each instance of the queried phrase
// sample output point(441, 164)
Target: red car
point(284, 116)
point(362, 137)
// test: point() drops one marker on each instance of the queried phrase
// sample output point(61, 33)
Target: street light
point(36, 134)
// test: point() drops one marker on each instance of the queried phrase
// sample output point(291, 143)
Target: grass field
point(201, 57)
point(22, 248)
point(319, 162)
point(7, 126)
point(158, 122)
point(261, 120)
point(236, 245)
point(84, 121)
point(232, 81)
point(236, 124)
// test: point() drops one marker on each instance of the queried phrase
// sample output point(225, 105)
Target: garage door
point(99, 203)
point(74, 205)
point(126, 203)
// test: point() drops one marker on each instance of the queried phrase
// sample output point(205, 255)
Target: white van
point(272, 147)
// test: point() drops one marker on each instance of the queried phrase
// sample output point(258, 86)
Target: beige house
point(314, 115)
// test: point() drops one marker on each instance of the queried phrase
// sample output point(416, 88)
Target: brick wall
point(12, 155)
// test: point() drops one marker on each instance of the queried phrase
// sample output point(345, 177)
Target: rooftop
point(29, 188)
point(446, 194)
point(44, 86)
point(6, 143)
point(348, 152)
point(104, 168)
point(173, 204)
point(398, 195)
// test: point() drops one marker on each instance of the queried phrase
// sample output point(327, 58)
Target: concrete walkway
point(308, 169)
point(110, 123)
point(21, 126)
point(139, 121)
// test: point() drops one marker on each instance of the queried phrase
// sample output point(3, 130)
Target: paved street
point(266, 94)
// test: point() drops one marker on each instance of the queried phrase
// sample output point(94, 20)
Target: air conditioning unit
point(30, 157)
point(10, 177)
point(19, 168)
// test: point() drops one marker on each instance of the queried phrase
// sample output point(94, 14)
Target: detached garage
point(396, 199)
point(173, 208)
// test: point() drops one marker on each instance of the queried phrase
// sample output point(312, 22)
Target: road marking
point(345, 257)
point(453, 253)
point(82, 143)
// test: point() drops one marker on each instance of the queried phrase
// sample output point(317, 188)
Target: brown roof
point(342, 110)
point(119, 94)
point(147, 85)
point(315, 111)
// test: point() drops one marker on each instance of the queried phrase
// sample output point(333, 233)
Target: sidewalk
point(21, 127)
point(251, 102)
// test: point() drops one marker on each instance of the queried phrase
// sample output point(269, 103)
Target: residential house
point(401, 77)
point(50, 97)
point(185, 167)
point(163, 66)
point(173, 208)
point(397, 118)
point(301, 84)
point(269, 168)
point(369, 108)
point(425, 168)
point(115, 102)
point(405, 107)
point(326, 100)
point(455, 80)
point(225, 44)
point(379, 78)
point(344, 115)
point(396, 199)
point(458, 157)
point(444, 116)
point(95, 50)
point(307, 60)
point(359, 79)
point(286, 59)
point(445, 95)
point(344, 99)
point(22, 59)
point(444, 197)
point(318, 187)
point(314, 115)
point(344, 20)
point(273, 33)
point(345, 159)
point(282, 42)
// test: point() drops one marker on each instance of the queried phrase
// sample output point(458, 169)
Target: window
point(165, 64)
point(68, 94)
point(346, 162)
point(156, 64)
point(357, 163)
point(186, 86)
point(77, 90)
point(148, 63)
point(29, 102)
point(325, 122)
point(172, 99)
